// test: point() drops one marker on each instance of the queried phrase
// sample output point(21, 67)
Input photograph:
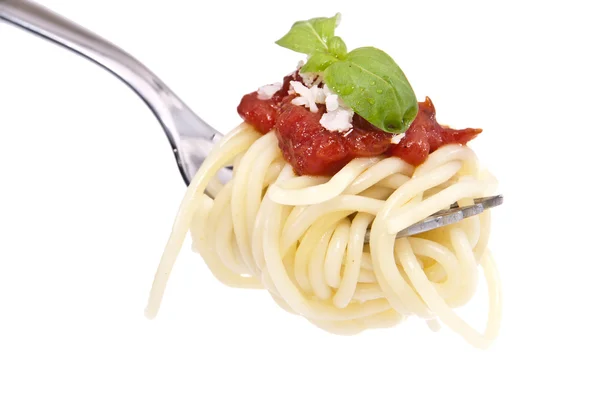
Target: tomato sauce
point(313, 150)
point(425, 135)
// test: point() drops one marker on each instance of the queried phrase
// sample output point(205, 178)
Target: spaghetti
point(301, 238)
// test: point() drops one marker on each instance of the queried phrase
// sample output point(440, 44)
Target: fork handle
point(180, 124)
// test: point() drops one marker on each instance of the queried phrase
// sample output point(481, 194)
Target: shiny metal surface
point(449, 216)
point(452, 215)
point(189, 136)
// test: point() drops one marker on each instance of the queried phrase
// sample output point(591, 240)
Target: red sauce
point(313, 150)
point(425, 135)
point(262, 114)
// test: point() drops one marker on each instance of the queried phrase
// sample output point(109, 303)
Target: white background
point(89, 188)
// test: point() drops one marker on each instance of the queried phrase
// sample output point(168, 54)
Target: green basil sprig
point(310, 36)
point(367, 79)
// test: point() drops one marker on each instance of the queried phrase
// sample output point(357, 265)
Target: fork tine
point(452, 215)
point(449, 216)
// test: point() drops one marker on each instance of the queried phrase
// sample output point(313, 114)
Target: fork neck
point(183, 128)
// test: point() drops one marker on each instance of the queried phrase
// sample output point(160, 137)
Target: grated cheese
point(332, 103)
point(267, 92)
point(396, 138)
point(339, 120)
point(307, 97)
point(338, 117)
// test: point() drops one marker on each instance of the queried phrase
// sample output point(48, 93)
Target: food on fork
point(340, 146)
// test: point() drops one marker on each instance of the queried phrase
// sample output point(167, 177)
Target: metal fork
point(190, 137)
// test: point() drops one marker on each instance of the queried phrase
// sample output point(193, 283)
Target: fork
point(190, 137)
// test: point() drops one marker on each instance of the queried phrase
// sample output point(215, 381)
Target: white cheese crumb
point(332, 103)
point(396, 138)
point(318, 94)
point(338, 116)
point(301, 101)
point(267, 92)
point(311, 79)
point(339, 120)
point(308, 78)
point(307, 97)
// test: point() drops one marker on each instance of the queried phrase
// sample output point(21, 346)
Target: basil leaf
point(325, 27)
point(337, 47)
point(310, 36)
point(374, 86)
point(318, 62)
